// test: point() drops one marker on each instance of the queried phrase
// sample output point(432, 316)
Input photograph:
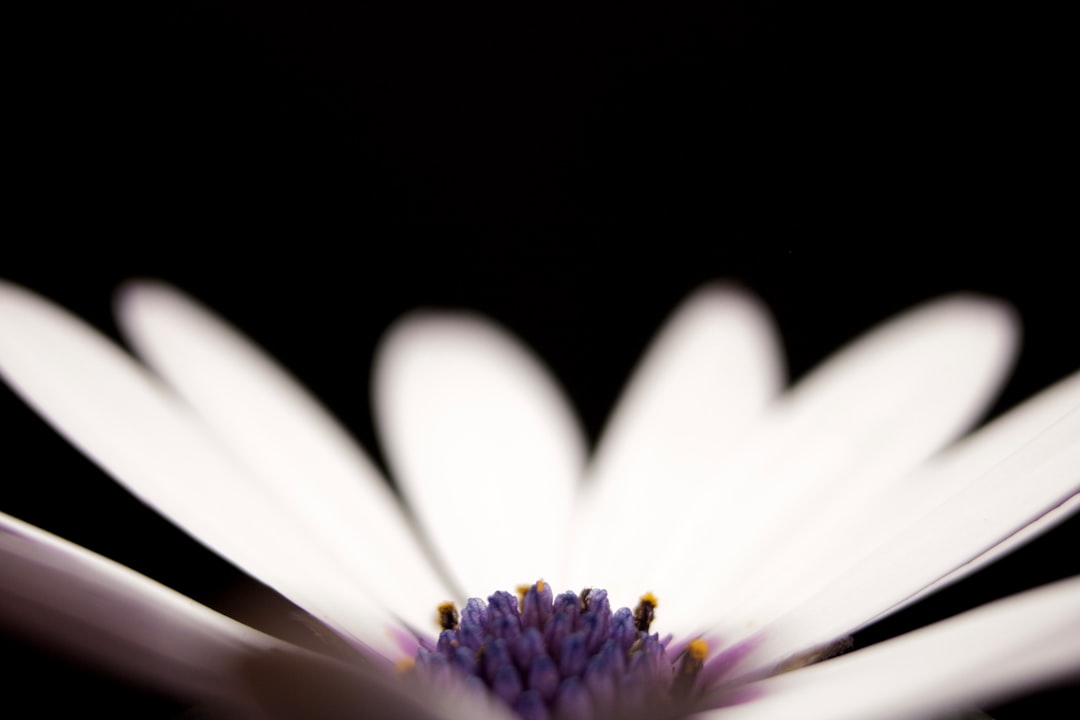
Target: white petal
point(106, 615)
point(484, 445)
point(862, 420)
point(1024, 535)
point(279, 432)
point(1021, 489)
point(841, 543)
point(965, 463)
point(113, 410)
point(990, 654)
point(704, 380)
point(840, 535)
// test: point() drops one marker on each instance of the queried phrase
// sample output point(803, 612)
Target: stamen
point(506, 684)
point(645, 612)
point(572, 655)
point(447, 643)
point(573, 700)
point(544, 677)
point(447, 616)
point(622, 629)
point(521, 590)
point(530, 706)
point(537, 607)
point(529, 645)
point(693, 659)
point(585, 599)
point(601, 674)
point(697, 650)
point(564, 657)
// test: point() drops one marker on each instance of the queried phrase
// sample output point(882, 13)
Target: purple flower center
point(565, 657)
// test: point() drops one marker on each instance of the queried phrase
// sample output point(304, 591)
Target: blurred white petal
point(107, 615)
point(790, 525)
point(990, 654)
point(1020, 490)
point(1022, 536)
point(830, 542)
point(484, 445)
point(966, 462)
point(703, 382)
point(286, 439)
point(867, 416)
point(115, 412)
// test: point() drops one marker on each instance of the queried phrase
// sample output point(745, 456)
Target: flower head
point(790, 521)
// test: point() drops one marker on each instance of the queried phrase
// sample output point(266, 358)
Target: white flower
point(772, 525)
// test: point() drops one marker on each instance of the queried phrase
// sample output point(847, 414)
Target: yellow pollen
point(446, 615)
point(523, 590)
point(404, 665)
point(693, 660)
point(645, 612)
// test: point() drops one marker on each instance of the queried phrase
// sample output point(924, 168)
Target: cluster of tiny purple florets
point(564, 657)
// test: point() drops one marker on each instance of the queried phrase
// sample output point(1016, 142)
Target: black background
point(312, 170)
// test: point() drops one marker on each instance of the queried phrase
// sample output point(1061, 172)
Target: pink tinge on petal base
point(102, 613)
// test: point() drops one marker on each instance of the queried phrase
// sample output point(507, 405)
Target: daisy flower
point(722, 543)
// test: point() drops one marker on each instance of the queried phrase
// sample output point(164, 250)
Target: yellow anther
point(645, 612)
point(697, 649)
point(523, 590)
point(447, 616)
point(404, 665)
point(693, 660)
